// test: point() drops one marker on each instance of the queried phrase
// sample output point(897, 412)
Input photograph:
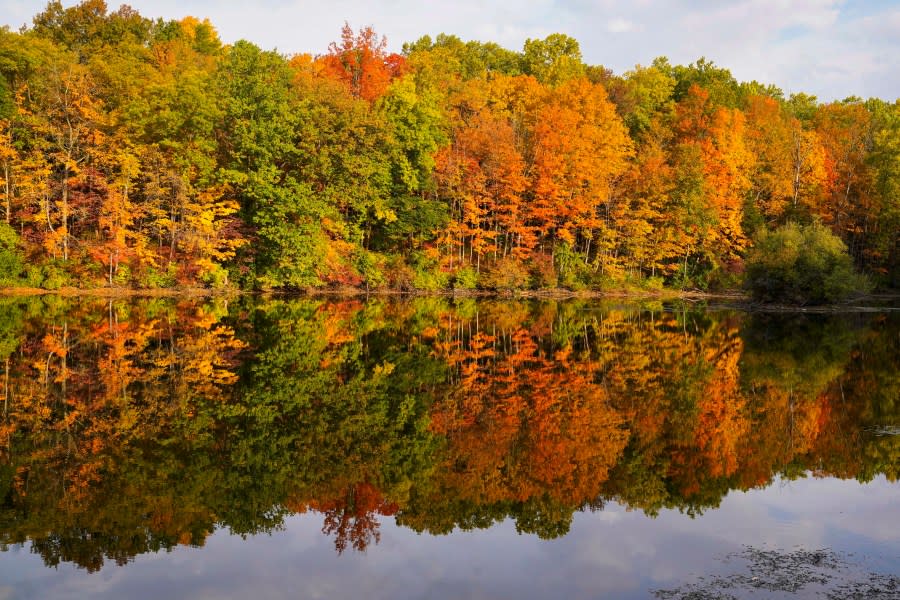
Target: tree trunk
point(65, 214)
point(6, 392)
point(7, 191)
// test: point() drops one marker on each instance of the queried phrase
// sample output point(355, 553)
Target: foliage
point(465, 279)
point(145, 152)
point(11, 263)
point(801, 264)
point(506, 274)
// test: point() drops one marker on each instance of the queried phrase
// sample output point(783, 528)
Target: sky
point(828, 48)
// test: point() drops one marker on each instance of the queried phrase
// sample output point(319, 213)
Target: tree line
point(147, 153)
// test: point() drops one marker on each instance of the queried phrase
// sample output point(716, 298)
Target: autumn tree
point(145, 152)
point(713, 164)
point(844, 129)
point(361, 62)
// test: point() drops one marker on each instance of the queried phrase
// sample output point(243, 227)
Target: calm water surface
point(440, 448)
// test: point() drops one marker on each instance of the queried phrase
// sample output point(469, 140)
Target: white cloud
point(619, 25)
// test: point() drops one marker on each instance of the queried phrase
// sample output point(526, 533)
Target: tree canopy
point(147, 153)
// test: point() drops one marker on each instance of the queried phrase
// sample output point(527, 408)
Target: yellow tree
point(579, 146)
point(204, 232)
point(121, 240)
point(646, 237)
point(481, 174)
point(69, 118)
point(808, 174)
point(7, 157)
point(770, 137)
point(727, 164)
point(714, 166)
point(845, 132)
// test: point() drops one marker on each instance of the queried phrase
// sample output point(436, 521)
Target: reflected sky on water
point(609, 553)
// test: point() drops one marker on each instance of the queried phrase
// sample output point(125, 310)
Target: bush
point(398, 274)
point(50, 276)
point(700, 271)
point(728, 276)
point(543, 272)
point(54, 276)
point(801, 265)
point(34, 276)
point(654, 283)
point(573, 273)
point(123, 275)
point(11, 263)
point(369, 266)
point(155, 278)
point(506, 274)
point(216, 277)
point(465, 279)
point(430, 279)
point(425, 272)
point(568, 266)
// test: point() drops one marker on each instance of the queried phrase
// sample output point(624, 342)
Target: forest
point(134, 426)
point(145, 153)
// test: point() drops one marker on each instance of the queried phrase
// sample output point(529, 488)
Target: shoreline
point(542, 294)
point(737, 299)
point(73, 292)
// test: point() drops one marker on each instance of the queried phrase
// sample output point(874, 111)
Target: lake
point(441, 447)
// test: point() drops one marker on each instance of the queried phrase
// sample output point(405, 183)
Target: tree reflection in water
point(132, 427)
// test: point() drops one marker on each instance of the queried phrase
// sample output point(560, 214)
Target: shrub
point(506, 274)
point(654, 283)
point(801, 265)
point(701, 270)
point(123, 275)
point(728, 276)
point(155, 278)
point(54, 276)
point(34, 276)
point(216, 277)
point(427, 272)
point(573, 272)
point(543, 272)
point(465, 279)
point(568, 266)
point(11, 263)
point(430, 279)
point(369, 266)
point(398, 274)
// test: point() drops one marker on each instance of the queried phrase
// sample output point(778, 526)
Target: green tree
point(801, 264)
point(553, 60)
point(884, 159)
point(418, 126)
point(722, 87)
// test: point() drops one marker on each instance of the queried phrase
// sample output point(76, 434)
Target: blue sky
point(830, 48)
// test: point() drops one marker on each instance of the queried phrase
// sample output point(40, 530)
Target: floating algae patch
point(782, 574)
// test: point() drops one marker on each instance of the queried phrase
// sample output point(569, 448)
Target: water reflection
point(131, 427)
